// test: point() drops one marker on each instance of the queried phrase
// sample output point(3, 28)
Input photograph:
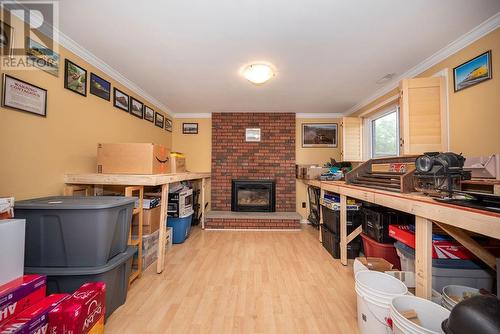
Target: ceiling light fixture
point(258, 73)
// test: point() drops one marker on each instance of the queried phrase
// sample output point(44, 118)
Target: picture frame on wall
point(149, 114)
point(75, 78)
point(136, 108)
point(100, 87)
point(120, 99)
point(319, 135)
point(42, 57)
point(6, 39)
point(472, 72)
point(159, 120)
point(23, 96)
point(168, 125)
point(190, 128)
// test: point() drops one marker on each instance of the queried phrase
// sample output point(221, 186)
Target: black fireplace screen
point(253, 196)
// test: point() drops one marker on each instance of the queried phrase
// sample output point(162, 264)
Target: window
point(385, 134)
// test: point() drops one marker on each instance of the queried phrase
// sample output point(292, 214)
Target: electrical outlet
point(303, 205)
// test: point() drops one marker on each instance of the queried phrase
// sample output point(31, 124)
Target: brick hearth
point(271, 158)
point(250, 220)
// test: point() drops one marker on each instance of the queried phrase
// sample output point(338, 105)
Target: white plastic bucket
point(430, 314)
point(375, 291)
point(455, 290)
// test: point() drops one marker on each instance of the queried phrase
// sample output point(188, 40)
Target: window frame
point(371, 123)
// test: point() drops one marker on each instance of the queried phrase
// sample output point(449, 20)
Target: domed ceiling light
point(258, 73)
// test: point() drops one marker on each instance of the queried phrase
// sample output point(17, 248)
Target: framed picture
point(159, 120)
point(23, 96)
point(252, 134)
point(190, 128)
point(120, 99)
point(42, 57)
point(149, 114)
point(472, 72)
point(75, 78)
point(136, 108)
point(319, 135)
point(6, 39)
point(100, 87)
point(168, 125)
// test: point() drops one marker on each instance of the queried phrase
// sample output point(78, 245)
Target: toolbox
point(376, 222)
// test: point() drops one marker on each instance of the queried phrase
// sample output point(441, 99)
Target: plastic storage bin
point(67, 231)
point(114, 274)
point(376, 222)
point(180, 228)
point(377, 249)
point(448, 272)
point(331, 218)
point(331, 242)
point(11, 244)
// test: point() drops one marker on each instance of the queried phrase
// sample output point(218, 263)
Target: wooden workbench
point(452, 218)
point(163, 180)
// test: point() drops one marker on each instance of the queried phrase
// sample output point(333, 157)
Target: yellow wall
point(474, 112)
point(197, 148)
point(308, 155)
point(36, 152)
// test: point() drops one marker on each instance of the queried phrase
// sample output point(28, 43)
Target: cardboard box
point(35, 318)
point(309, 172)
point(133, 158)
point(20, 294)
point(177, 162)
point(81, 313)
point(150, 221)
point(375, 263)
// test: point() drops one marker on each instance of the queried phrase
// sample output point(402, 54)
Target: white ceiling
point(329, 53)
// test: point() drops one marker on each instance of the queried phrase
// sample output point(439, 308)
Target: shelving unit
point(129, 192)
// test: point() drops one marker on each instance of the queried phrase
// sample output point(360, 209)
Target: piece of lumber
point(464, 239)
point(343, 229)
point(423, 257)
point(354, 234)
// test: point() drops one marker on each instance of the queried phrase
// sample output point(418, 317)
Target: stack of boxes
point(24, 308)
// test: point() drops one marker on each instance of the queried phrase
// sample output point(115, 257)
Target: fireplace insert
point(253, 196)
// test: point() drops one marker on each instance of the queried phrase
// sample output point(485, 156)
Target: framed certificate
point(23, 96)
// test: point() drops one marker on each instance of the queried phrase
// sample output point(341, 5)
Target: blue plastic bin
point(180, 228)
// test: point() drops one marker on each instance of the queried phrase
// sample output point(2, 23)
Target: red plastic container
point(377, 249)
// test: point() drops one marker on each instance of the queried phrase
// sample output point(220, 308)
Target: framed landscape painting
point(149, 114)
point(189, 128)
point(319, 135)
point(159, 120)
point(472, 72)
point(136, 108)
point(75, 78)
point(120, 99)
point(42, 57)
point(100, 87)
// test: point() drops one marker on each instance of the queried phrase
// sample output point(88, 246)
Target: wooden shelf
point(129, 192)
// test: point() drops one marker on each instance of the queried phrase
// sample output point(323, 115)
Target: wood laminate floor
point(242, 282)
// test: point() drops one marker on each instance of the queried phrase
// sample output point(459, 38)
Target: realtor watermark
point(29, 35)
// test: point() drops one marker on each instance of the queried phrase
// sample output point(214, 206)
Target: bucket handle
point(383, 322)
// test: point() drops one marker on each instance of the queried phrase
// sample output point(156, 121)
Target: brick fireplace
point(273, 159)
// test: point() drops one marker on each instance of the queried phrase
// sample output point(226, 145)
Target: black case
point(376, 222)
point(331, 218)
point(331, 242)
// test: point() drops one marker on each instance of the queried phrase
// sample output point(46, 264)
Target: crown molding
point(193, 115)
point(463, 41)
point(318, 115)
point(72, 46)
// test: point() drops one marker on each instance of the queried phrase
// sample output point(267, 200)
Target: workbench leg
point(202, 208)
point(98, 190)
point(163, 227)
point(343, 229)
point(321, 196)
point(423, 257)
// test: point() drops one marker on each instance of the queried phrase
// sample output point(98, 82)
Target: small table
point(136, 182)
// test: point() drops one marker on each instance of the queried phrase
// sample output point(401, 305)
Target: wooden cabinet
point(423, 117)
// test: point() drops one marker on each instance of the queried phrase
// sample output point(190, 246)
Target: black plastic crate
point(331, 218)
point(376, 222)
point(353, 249)
point(331, 242)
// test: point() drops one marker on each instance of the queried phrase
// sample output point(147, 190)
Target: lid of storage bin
point(74, 202)
point(73, 271)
